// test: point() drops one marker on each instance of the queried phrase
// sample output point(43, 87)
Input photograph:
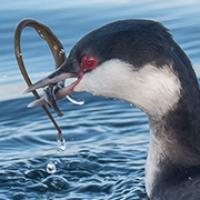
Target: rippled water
point(106, 140)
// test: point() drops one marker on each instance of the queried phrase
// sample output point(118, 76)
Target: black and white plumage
point(138, 61)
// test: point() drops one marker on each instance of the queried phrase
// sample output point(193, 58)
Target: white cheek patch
point(155, 90)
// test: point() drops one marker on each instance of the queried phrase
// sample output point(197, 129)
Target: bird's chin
point(69, 87)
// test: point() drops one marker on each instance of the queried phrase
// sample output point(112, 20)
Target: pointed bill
point(38, 102)
point(48, 80)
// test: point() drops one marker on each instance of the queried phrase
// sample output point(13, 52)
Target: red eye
point(88, 63)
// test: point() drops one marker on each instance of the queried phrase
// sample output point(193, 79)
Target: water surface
point(106, 140)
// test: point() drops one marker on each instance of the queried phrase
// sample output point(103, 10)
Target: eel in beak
point(56, 87)
point(58, 53)
point(55, 81)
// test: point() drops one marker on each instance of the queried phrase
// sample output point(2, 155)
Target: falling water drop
point(61, 145)
point(51, 168)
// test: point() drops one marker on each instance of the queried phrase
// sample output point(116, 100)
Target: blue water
point(106, 140)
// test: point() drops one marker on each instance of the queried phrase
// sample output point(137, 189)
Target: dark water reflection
point(106, 140)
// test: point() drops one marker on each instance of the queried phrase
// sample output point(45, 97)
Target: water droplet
point(51, 168)
point(61, 145)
